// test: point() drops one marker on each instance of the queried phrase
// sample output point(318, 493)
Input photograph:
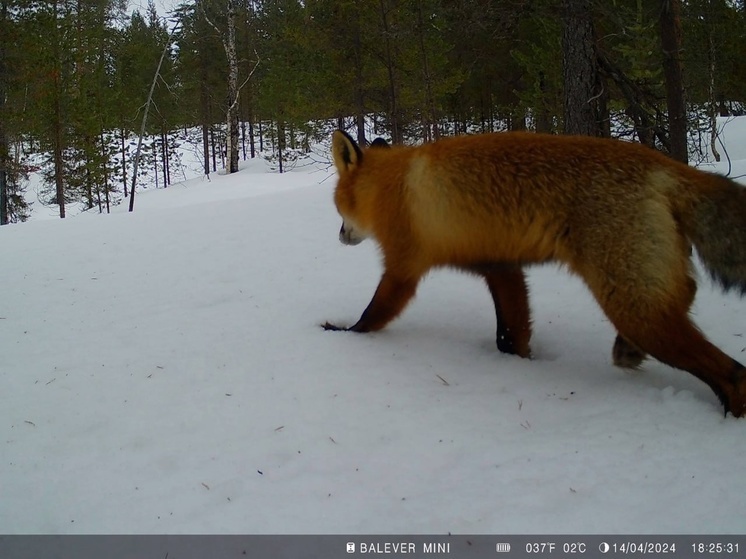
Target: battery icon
point(502, 547)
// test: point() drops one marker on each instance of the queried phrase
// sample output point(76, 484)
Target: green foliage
point(715, 40)
point(536, 52)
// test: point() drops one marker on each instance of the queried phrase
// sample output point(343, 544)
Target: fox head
point(348, 159)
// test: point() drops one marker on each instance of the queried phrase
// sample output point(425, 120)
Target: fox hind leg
point(507, 285)
point(678, 343)
point(626, 354)
point(660, 326)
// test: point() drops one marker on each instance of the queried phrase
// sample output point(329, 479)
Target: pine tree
point(580, 70)
point(228, 13)
point(202, 80)
point(671, 43)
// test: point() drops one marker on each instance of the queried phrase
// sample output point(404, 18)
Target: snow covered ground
point(165, 372)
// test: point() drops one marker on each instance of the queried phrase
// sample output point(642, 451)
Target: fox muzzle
point(347, 236)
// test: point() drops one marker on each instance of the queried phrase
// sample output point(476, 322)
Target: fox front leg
point(391, 296)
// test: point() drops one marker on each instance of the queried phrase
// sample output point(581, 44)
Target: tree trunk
point(280, 141)
point(59, 185)
point(359, 86)
point(4, 151)
point(122, 135)
point(3, 177)
point(145, 120)
point(430, 117)
point(231, 138)
point(711, 94)
point(243, 139)
point(213, 149)
point(670, 30)
point(99, 203)
point(397, 134)
point(206, 148)
point(543, 118)
point(155, 162)
point(88, 176)
point(580, 69)
point(360, 120)
point(106, 176)
point(57, 125)
point(164, 157)
point(204, 108)
point(252, 147)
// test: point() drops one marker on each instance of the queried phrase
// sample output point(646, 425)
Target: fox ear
point(345, 152)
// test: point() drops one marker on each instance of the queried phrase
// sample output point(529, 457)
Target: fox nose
point(347, 237)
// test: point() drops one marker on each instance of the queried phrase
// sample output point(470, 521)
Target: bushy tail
point(718, 232)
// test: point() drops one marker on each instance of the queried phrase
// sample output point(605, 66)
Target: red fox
point(620, 215)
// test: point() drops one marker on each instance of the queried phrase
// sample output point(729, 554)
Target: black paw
point(505, 344)
point(626, 355)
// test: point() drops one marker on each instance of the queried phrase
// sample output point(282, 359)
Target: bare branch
point(145, 115)
point(240, 87)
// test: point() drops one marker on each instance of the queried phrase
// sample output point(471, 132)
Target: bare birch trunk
point(231, 137)
point(57, 133)
point(145, 118)
point(229, 45)
point(4, 150)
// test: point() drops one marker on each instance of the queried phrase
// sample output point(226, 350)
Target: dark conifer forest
point(236, 77)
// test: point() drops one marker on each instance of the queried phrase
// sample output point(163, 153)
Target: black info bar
point(351, 546)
